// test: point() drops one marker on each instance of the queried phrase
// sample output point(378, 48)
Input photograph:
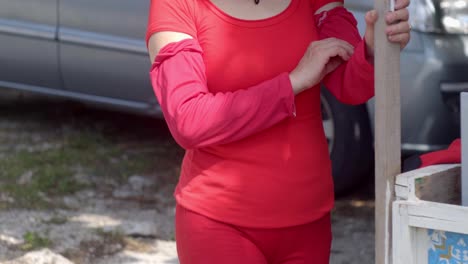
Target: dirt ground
point(95, 186)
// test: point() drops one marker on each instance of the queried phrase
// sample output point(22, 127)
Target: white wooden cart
point(429, 224)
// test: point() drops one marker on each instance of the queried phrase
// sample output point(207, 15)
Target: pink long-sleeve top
point(256, 155)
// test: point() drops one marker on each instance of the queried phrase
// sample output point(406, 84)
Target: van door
point(28, 44)
point(103, 52)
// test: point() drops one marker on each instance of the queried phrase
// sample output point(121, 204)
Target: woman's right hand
point(320, 58)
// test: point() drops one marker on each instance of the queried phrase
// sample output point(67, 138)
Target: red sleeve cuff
point(173, 48)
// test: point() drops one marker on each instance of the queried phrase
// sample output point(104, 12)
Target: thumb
point(371, 18)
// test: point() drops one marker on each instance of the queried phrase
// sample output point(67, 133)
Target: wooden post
point(387, 133)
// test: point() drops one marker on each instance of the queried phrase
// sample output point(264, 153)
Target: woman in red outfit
point(238, 83)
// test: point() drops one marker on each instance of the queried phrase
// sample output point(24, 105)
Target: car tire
point(349, 136)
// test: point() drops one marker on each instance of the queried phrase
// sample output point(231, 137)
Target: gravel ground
point(113, 217)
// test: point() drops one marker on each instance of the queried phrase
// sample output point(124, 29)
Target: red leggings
point(202, 240)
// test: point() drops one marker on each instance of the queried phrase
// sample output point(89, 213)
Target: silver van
point(94, 52)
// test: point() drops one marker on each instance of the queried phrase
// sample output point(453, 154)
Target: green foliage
point(53, 170)
point(33, 241)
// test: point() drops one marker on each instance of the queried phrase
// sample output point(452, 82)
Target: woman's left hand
point(397, 30)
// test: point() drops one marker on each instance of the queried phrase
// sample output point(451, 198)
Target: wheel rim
point(328, 124)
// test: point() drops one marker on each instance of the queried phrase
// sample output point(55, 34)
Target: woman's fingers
point(332, 64)
point(402, 38)
point(400, 4)
point(334, 43)
point(402, 27)
point(343, 53)
point(321, 58)
point(338, 50)
point(396, 16)
point(335, 51)
point(398, 27)
point(370, 18)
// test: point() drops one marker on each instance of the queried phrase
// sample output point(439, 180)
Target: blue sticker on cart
point(448, 247)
